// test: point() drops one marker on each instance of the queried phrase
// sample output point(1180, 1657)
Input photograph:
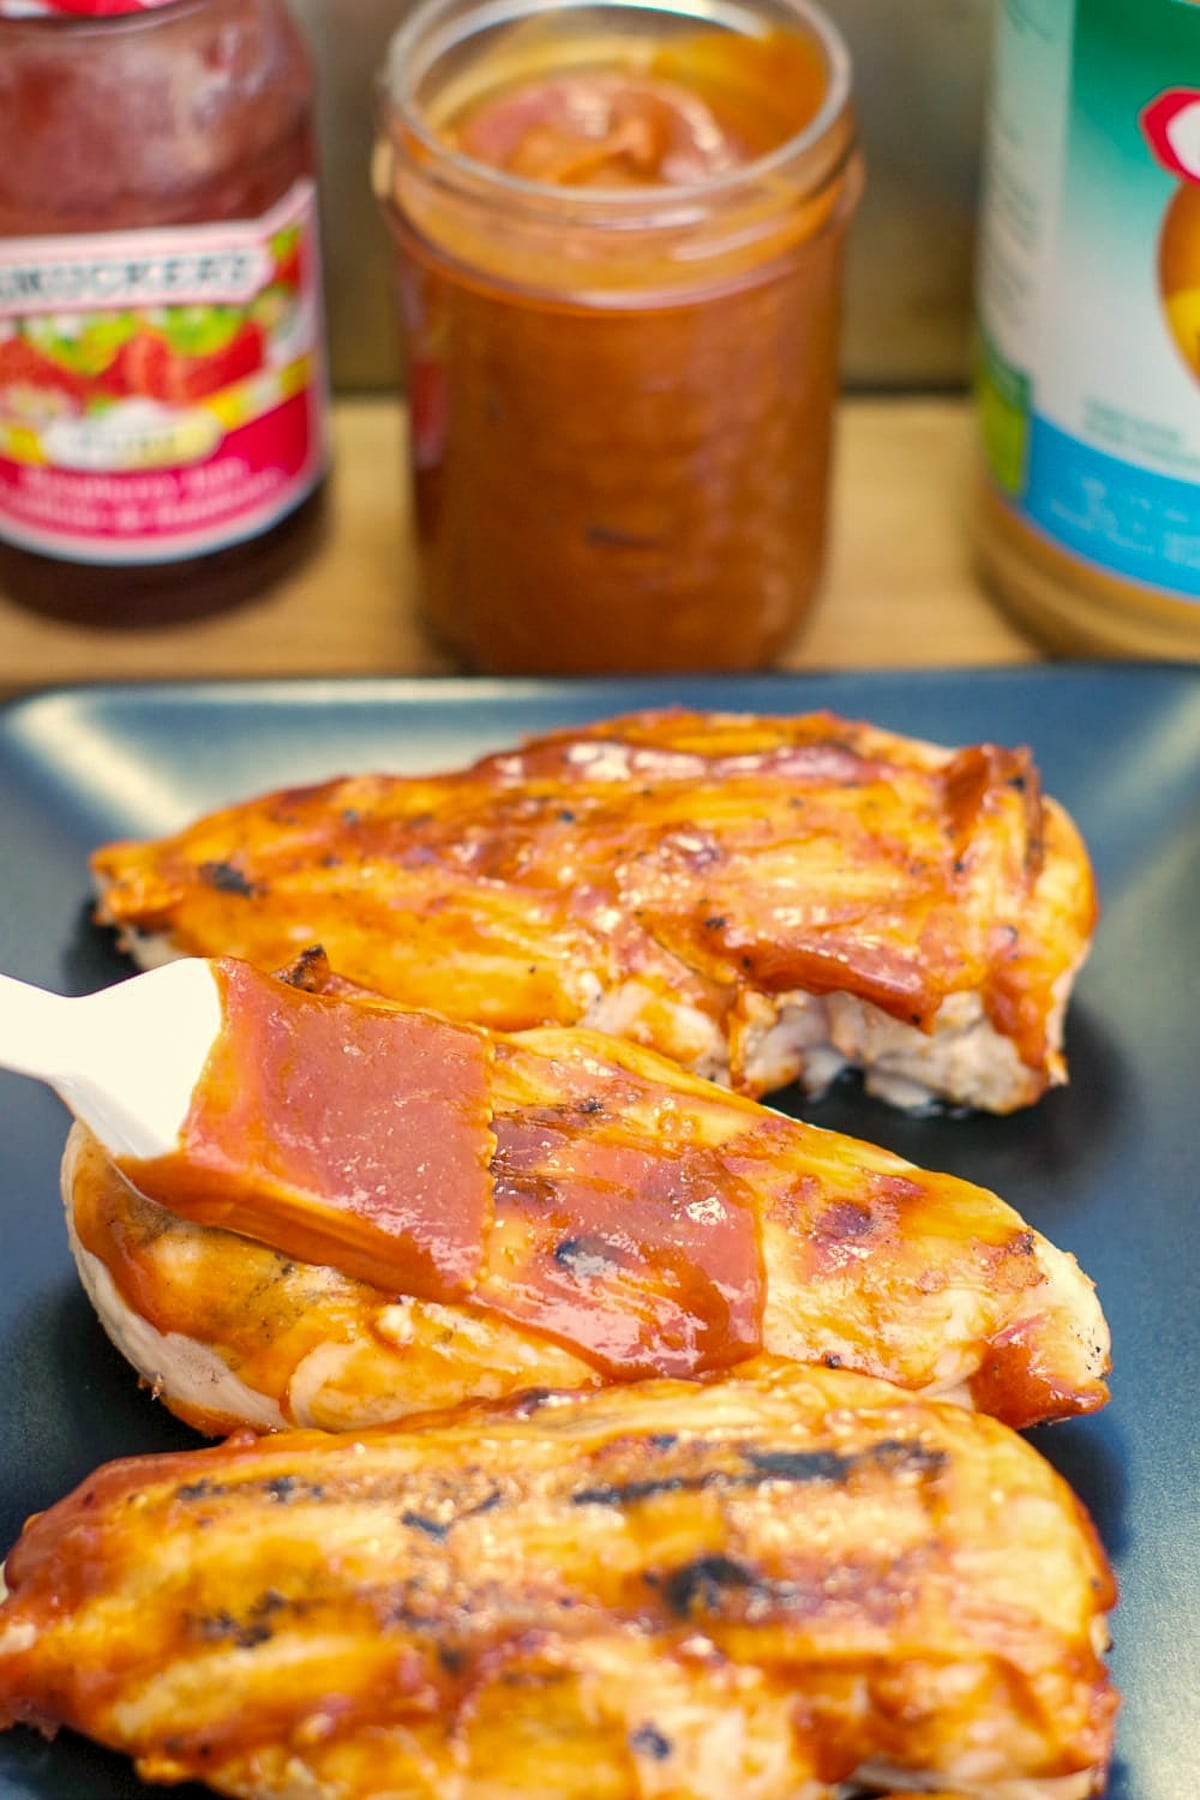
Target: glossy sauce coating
point(343, 1132)
point(762, 1586)
point(678, 878)
point(357, 1134)
point(639, 1222)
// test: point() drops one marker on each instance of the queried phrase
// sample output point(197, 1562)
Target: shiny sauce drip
point(341, 1133)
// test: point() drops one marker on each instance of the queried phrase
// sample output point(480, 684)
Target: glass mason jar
point(162, 373)
point(621, 373)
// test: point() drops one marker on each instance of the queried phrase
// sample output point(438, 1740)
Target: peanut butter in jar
point(619, 231)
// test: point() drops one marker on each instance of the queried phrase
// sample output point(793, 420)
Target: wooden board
point(900, 590)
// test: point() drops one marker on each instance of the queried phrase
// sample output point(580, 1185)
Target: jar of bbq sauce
point(619, 231)
point(163, 403)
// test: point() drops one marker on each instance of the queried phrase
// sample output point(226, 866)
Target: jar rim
point(408, 61)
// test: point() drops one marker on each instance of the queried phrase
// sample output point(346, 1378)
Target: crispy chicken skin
point(637, 1221)
point(760, 899)
point(766, 1587)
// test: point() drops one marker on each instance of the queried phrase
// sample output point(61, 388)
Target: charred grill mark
point(439, 1529)
point(703, 1584)
point(280, 1489)
point(801, 1465)
point(804, 1467)
point(433, 1528)
point(227, 878)
point(629, 1493)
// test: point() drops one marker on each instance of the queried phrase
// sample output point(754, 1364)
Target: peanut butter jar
point(619, 231)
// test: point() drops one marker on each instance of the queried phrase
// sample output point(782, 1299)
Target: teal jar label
point(1088, 371)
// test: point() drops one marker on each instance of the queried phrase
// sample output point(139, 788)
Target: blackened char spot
point(532, 1400)
point(433, 1528)
point(702, 1584)
point(227, 878)
point(440, 1529)
point(309, 972)
point(648, 1740)
point(291, 1487)
point(255, 1628)
point(200, 1490)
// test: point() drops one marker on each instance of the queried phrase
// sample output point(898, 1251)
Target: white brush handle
point(126, 1060)
point(35, 1030)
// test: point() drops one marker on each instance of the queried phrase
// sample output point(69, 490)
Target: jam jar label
point(162, 393)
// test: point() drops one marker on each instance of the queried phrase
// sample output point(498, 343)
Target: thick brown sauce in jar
point(637, 479)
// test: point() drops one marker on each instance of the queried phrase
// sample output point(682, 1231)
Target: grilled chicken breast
point(604, 1216)
point(767, 1587)
point(761, 899)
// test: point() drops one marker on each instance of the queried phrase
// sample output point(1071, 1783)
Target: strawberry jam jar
point(619, 231)
point(162, 377)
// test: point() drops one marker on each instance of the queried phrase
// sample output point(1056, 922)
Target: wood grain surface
point(900, 590)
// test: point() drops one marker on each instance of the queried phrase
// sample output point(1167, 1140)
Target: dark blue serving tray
point(1107, 1168)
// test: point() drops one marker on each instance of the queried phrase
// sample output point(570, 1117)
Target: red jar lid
point(76, 9)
